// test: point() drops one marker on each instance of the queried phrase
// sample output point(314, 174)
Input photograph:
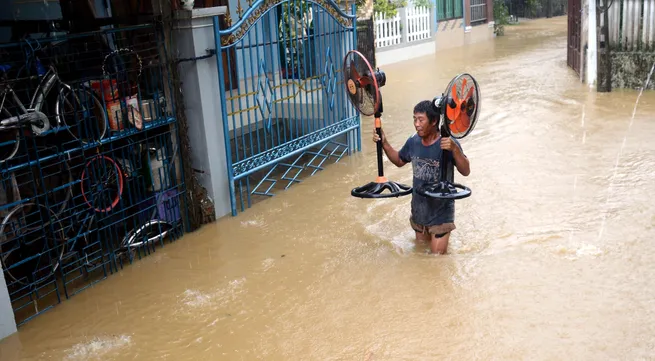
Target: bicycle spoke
point(82, 113)
point(100, 176)
point(30, 250)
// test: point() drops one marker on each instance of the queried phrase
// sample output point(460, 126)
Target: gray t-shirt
point(426, 167)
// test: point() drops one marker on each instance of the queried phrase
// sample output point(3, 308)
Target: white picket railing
point(387, 31)
point(410, 24)
point(418, 24)
point(631, 22)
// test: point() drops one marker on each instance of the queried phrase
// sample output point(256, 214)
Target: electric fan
point(363, 86)
point(459, 108)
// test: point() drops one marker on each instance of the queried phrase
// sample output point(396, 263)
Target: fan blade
point(454, 93)
point(470, 93)
point(365, 80)
point(464, 122)
point(353, 72)
point(453, 113)
point(464, 84)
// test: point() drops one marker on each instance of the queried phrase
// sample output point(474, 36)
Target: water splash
point(206, 300)
point(195, 298)
point(575, 252)
point(97, 347)
point(618, 156)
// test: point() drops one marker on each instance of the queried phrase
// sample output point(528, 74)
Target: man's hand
point(391, 153)
point(376, 137)
point(461, 161)
point(448, 144)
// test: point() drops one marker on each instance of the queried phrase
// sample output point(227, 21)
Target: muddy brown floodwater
point(553, 258)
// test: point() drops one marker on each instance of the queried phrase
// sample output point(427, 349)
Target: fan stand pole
point(445, 156)
point(378, 129)
point(444, 189)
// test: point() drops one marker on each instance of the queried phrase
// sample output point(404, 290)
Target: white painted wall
point(7, 320)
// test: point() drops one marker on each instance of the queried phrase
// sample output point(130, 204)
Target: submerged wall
point(630, 69)
point(7, 321)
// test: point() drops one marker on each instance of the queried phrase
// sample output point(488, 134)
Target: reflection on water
point(552, 258)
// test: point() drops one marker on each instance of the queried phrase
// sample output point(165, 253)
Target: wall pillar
point(404, 32)
point(490, 12)
point(466, 10)
point(7, 320)
point(194, 35)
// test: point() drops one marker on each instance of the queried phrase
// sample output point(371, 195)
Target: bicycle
point(145, 235)
point(47, 181)
point(38, 120)
point(25, 239)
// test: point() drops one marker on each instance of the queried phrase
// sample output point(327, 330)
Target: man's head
point(426, 118)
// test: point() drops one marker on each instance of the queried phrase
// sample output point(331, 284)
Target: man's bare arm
point(461, 162)
point(392, 154)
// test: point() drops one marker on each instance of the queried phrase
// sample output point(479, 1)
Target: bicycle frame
point(33, 114)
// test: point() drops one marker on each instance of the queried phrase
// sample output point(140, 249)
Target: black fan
point(459, 112)
point(363, 85)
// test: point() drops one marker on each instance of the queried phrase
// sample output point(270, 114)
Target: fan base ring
point(444, 190)
point(376, 189)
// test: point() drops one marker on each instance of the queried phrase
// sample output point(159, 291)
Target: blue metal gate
point(284, 107)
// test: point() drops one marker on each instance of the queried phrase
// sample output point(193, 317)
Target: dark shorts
point(438, 230)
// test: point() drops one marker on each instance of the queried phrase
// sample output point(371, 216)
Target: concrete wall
point(453, 33)
point(194, 34)
point(630, 70)
point(7, 320)
point(588, 44)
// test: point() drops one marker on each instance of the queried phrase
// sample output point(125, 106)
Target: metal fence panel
point(478, 11)
point(366, 39)
point(284, 107)
point(90, 174)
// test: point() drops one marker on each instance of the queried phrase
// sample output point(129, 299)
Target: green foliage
point(501, 17)
point(359, 4)
point(531, 7)
point(294, 25)
point(388, 7)
point(542, 8)
point(422, 3)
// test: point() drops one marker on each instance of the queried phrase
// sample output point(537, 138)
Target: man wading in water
point(431, 219)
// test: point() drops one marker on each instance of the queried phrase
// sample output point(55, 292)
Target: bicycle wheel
point(50, 180)
point(30, 250)
point(149, 232)
point(81, 112)
point(102, 184)
point(9, 139)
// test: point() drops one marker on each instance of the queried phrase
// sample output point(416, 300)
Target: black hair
point(426, 107)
